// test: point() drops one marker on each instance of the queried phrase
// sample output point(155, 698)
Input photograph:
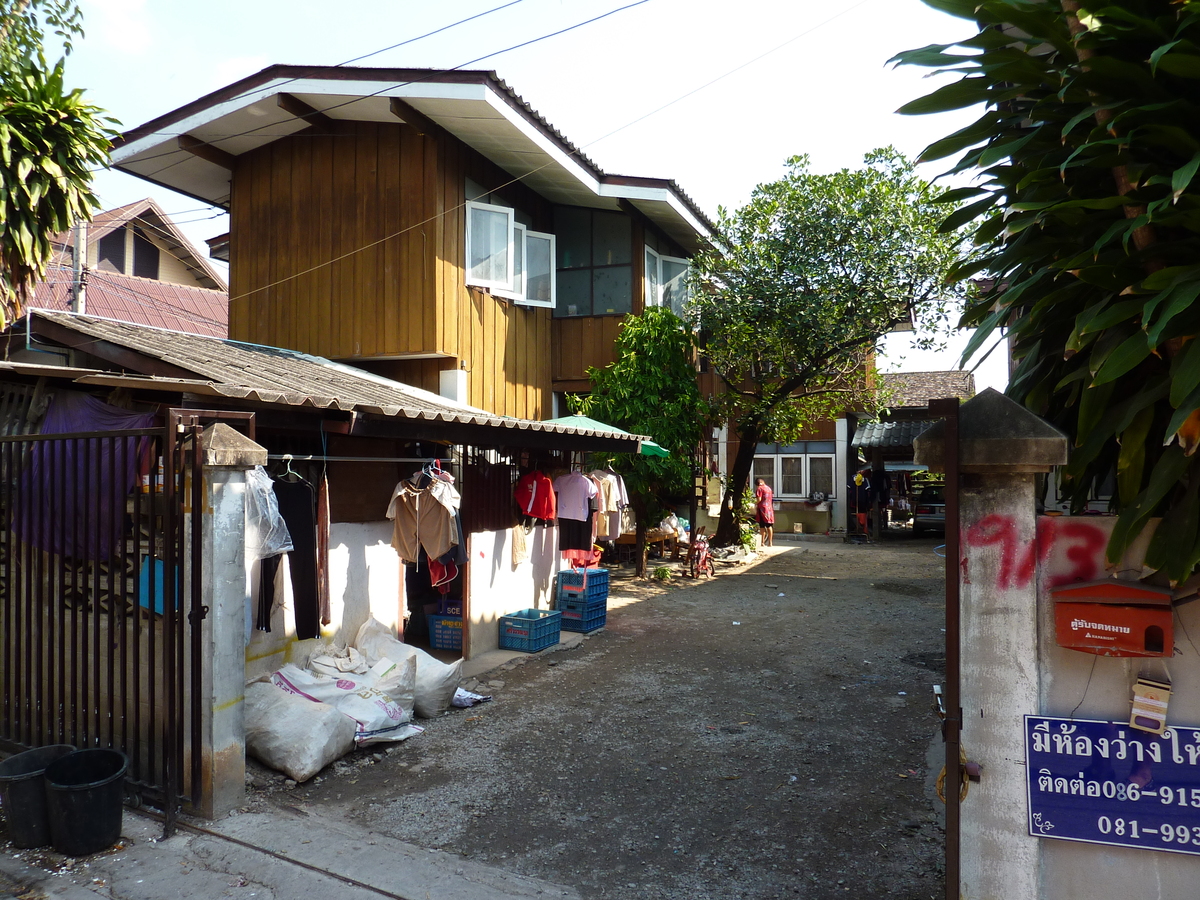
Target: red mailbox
point(1114, 618)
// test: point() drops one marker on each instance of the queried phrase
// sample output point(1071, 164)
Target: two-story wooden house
point(426, 225)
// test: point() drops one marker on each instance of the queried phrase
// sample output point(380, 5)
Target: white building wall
point(496, 587)
point(365, 579)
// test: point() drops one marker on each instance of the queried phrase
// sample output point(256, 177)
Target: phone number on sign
point(1131, 828)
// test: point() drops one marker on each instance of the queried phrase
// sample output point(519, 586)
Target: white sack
point(330, 659)
point(377, 716)
point(436, 682)
point(292, 734)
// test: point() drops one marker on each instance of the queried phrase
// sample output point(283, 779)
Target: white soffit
point(473, 112)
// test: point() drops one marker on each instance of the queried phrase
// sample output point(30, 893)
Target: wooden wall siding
point(325, 205)
point(583, 342)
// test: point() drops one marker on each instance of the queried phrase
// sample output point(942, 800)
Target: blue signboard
point(1107, 783)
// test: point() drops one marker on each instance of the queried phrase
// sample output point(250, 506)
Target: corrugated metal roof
point(888, 434)
point(159, 304)
point(274, 375)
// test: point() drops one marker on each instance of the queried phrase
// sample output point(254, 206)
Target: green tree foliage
point(651, 389)
point(50, 141)
point(1087, 220)
point(809, 274)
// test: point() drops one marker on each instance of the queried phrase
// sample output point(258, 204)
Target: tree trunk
point(728, 531)
point(639, 547)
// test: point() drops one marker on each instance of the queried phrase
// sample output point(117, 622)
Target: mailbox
point(1114, 618)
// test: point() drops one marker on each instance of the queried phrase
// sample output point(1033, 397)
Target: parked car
point(929, 512)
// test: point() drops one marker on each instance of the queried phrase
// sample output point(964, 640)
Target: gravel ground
point(763, 734)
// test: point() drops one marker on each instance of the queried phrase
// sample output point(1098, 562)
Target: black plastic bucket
point(23, 794)
point(84, 795)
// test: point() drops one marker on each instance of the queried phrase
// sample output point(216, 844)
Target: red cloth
point(534, 493)
point(765, 504)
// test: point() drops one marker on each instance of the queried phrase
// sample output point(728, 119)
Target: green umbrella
point(646, 448)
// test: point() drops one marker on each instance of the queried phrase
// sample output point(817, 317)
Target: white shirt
point(574, 491)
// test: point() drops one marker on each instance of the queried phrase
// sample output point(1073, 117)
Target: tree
point(50, 142)
point(1087, 218)
point(808, 275)
point(651, 389)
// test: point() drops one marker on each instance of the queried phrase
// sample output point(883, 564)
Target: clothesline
point(374, 459)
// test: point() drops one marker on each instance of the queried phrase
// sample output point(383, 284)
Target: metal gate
point(100, 602)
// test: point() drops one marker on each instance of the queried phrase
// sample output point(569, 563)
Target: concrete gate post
point(1002, 447)
point(227, 454)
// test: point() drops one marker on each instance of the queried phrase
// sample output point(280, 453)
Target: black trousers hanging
point(298, 506)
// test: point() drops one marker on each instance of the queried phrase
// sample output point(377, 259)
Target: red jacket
point(535, 495)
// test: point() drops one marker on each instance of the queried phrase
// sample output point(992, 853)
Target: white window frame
point(652, 296)
point(808, 480)
point(805, 473)
point(779, 458)
point(527, 301)
point(515, 290)
point(494, 285)
point(662, 281)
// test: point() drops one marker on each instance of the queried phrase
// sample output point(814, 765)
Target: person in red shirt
point(764, 512)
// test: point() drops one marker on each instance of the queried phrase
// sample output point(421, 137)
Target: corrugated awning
point(888, 434)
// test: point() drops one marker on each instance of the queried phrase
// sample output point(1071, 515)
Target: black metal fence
point(100, 600)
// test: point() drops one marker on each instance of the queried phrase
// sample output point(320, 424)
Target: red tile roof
point(142, 301)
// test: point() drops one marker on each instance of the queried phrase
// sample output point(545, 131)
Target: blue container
point(445, 632)
point(597, 586)
point(582, 616)
point(530, 630)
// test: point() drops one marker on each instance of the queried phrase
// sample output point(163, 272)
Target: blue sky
point(811, 77)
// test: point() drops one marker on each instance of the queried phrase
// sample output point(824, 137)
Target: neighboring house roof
point(196, 364)
point(151, 216)
point(193, 149)
point(888, 434)
point(909, 389)
point(175, 307)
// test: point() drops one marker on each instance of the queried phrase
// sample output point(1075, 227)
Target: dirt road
point(760, 735)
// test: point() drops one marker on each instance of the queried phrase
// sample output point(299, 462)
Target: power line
point(576, 152)
point(399, 84)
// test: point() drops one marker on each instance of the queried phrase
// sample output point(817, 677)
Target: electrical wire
point(518, 179)
point(399, 84)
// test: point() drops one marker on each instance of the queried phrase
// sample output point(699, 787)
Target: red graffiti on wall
point(1081, 542)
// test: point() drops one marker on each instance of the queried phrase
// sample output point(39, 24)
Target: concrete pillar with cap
point(1002, 447)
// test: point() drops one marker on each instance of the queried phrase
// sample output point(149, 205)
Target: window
point(506, 257)
point(145, 256)
point(666, 281)
point(594, 262)
point(764, 468)
point(798, 470)
point(490, 231)
point(111, 251)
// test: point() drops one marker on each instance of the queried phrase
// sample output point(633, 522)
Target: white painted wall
point(365, 579)
point(496, 587)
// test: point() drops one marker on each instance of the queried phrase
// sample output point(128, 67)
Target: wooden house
point(428, 226)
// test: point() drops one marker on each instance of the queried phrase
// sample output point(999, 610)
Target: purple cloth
point(71, 498)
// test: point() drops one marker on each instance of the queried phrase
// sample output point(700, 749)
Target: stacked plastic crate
point(582, 598)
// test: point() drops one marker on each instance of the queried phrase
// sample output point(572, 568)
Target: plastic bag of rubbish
point(331, 659)
point(436, 682)
point(262, 516)
point(363, 698)
point(292, 734)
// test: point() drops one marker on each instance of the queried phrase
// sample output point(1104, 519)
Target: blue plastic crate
point(597, 585)
point(445, 632)
point(448, 607)
point(530, 630)
point(586, 619)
